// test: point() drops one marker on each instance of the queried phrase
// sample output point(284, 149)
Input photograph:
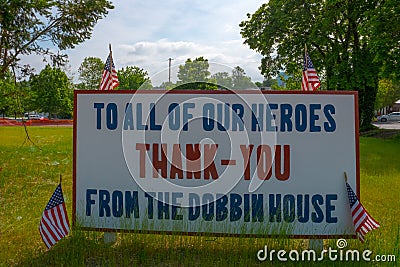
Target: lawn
point(29, 173)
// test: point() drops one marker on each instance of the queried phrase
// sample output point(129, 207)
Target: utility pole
point(169, 70)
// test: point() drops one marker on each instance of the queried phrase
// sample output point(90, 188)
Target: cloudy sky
point(147, 33)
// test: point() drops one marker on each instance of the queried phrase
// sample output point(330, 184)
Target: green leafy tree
point(8, 100)
point(166, 85)
point(26, 25)
point(53, 92)
point(223, 80)
point(90, 73)
point(240, 80)
point(384, 29)
point(340, 38)
point(269, 83)
point(194, 75)
point(388, 93)
point(133, 78)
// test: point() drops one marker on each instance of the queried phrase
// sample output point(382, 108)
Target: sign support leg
point(316, 244)
point(109, 238)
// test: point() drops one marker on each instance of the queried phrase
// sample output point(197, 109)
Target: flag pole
point(60, 178)
point(306, 64)
point(111, 57)
point(305, 54)
point(345, 177)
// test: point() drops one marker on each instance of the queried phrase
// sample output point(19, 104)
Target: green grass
point(29, 174)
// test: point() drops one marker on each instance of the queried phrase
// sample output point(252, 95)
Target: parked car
point(394, 116)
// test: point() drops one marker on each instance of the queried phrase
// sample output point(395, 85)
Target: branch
point(319, 49)
point(37, 36)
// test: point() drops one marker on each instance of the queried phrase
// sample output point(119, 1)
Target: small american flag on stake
point(310, 80)
point(54, 224)
point(363, 222)
point(109, 80)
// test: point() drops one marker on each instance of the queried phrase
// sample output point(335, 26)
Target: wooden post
point(110, 237)
point(316, 244)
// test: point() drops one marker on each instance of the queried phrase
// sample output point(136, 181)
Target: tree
point(341, 42)
point(8, 100)
point(133, 78)
point(383, 25)
point(26, 25)
point(194, 75)
point(269, 83)
point(240, 80)
point(53, 92)
point(90, 73)
point(223, 80)
point(388, 93)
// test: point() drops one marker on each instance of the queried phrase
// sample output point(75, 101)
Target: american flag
point(363, 222)
point(310, 80)
point(54, 224)
point(109, 80)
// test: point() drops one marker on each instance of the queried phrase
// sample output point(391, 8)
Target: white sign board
point(249, 163)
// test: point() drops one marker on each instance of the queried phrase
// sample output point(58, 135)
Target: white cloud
point(147, 33)
point(153, 56)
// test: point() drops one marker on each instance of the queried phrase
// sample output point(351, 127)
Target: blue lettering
point(300, 114)
point(139, 116)
point(117, 203)
point(237, 118)
point(317, 215)
point(104, 206)
point(194, 206)
point(288, 208)
point(99, 107)
point(208, 207)
point(90, 201)
point(303, 208)
point(223, 126)
point(150, 208)
point(112, 116)
point(236, 211)
point(257, 117)
point(221, 212)
point(131, 204)
point(286, 117)
point(153, 125)
point(174, 116)
point(330, 208)
point(208, 117)
point(270, 118)
point(246, 207)
point(162, 206)
point(314, 117)
point(186, 115)
point(275, 209)
point(257, 207)
point(128, 119)
point(330, 125)
point(176, 206)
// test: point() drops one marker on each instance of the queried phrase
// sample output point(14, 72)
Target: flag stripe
point(363, 222)
point(59, 222)
point(64, 223)
point(50, 236)
point(310, 80)
point(109, 79)
point(54, 224)
point(51, 227)
point(45, 237)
